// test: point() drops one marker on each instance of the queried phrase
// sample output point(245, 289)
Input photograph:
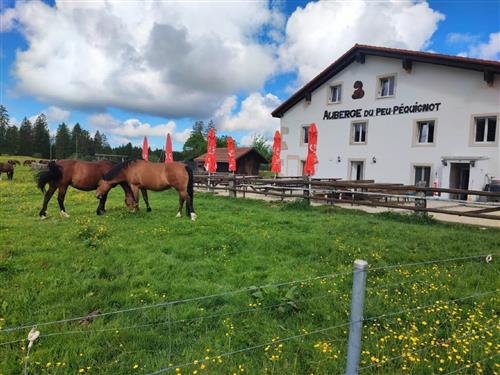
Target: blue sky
point(182, 63)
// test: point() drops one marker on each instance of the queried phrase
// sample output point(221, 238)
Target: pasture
point(440, 317)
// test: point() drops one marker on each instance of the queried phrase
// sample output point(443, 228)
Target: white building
point(398, 116)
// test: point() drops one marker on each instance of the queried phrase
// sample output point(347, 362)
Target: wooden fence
point(479, 204)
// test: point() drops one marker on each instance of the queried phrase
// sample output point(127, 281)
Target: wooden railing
point(480, 204)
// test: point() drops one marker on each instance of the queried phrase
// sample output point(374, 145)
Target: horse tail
point(190, 188)
point(51, 174)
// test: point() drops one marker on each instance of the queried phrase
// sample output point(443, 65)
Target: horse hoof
point(43, 217)
point(193, 216)
point(63, 214)
point(149, 209)
point(178, 215)
point(100, 212)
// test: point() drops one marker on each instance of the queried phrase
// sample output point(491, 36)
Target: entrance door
point(459, 179)
point(357, 170)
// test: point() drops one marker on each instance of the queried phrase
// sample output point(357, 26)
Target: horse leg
point(146, 199)
point(102, 203)
point(60, 200)
point(189, 207)
point(181, 204)
point(46, 199)
point(135, 193)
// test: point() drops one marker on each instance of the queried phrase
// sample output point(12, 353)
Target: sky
point(146, 68)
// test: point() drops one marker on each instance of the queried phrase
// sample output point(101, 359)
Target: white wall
point(462, 93)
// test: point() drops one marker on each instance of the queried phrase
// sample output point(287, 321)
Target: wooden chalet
point(248, 161)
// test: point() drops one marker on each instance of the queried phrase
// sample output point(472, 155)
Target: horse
point(7, 168)
point(81, 175)
point(141, 174)
point(13, 162)
point(28, 162)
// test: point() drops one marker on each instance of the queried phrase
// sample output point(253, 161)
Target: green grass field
point(64, 268)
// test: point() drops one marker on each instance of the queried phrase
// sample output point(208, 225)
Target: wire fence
point(438, 305)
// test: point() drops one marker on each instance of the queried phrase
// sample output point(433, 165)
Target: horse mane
point(113, 172)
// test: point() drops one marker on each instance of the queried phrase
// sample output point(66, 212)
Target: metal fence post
point(356, 321)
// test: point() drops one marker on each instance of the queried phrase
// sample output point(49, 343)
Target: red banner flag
point(311, 151)
point(230, 155)
point(169, 157)
point(276, 161)
point(210, 161)
point(145, 148)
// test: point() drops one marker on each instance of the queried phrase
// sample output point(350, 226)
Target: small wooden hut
point(248, 160)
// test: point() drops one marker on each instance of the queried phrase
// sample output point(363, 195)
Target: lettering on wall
point(381, 111)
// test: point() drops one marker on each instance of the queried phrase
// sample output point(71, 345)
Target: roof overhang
point(359, 52)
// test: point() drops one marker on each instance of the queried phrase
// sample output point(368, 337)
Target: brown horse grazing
point(82, 175)
point(7, 168)
point(28, 162)
point(13, 162)
point(141, 174)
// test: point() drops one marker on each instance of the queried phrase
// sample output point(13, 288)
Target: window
point(305, 135)
point(335, 94)
point(423, 173)
point(386, 86)
point(358, 133)
point(425, 132)
point(485, 129)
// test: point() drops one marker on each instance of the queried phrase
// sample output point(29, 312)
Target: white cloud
point(130, 128)
point(150, 57)
point(320, 32)
point(489, 50)
point(457, 38)
point(254, 114)
point(56, 115)
point(182, 136)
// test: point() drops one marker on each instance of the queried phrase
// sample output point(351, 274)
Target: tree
point(76, 137)
point(11, 140)
point(41, 137)
point(4, 124)
point(26, 138)
point(63, 142)
point(262, 145)
point(196, 144)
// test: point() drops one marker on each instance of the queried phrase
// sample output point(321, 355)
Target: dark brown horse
point(81, 175)
point(14, 161)
point(28, 162)
point(141, 174)
point(7, 168)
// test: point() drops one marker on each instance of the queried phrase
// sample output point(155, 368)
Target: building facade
point(398, 116)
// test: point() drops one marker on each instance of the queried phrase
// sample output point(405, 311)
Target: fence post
point(307, 189)
point(232, 187)
point(421, 202)
point(356, 321)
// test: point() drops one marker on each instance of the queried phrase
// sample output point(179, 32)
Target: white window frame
point(379, 85)
point(352, 140)
point(330, 98)
point(416, 132)
point(487, 125)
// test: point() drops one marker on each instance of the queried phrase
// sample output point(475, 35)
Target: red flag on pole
point(210, 161)
point(230, 155)
point(168, 150)
point(145, 148)
point(276, 161)
point(311, 151)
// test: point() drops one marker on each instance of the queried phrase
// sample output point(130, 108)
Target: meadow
point(422, 318)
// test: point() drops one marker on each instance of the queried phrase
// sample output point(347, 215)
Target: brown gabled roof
point(358, 53)
point(222, 156)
